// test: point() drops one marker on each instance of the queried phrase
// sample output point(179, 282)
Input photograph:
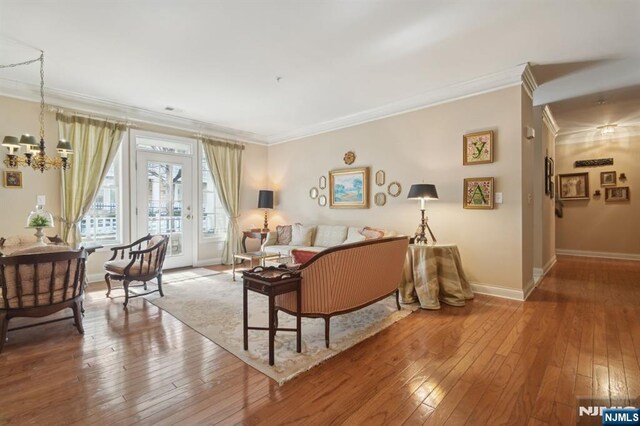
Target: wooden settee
point(345, 278)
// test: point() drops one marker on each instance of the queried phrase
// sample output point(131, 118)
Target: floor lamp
point(423, 192)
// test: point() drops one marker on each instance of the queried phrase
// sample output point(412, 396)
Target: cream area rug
point(211, 303)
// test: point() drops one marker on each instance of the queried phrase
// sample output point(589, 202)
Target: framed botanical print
point(478, 193)
point(477, 148)
point(607, 178)
point(620, 193)
point(349, 188)
point(573, 186)
point(12, 179)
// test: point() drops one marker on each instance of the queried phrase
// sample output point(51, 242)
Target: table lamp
point(423, 192)
point(265, 201)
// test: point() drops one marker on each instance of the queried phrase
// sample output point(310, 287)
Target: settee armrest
point(271, 240)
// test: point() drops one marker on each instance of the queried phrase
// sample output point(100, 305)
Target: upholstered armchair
point(40, 281)
point(139, 261)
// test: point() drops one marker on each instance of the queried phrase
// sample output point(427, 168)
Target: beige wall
point(17, 117)
point(527, 175)
point(422, 146)
point(594, 225)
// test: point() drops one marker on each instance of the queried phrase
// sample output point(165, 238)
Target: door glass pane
point(165, 203)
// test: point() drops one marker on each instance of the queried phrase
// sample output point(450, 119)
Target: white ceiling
point(217, 61)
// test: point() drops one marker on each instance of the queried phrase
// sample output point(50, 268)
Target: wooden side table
point(253, 234)
point(271, 282)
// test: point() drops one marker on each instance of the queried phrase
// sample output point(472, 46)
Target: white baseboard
point(490, 290)
point(539, 273)
point(602, 254)
point(208, 262)
point(95, 278)
point(528, 288)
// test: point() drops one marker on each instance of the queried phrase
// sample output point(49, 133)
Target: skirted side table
point(434, 274)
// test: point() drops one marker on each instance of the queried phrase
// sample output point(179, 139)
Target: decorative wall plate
point(313, 193)
point(349, 157)
point(322, 200)
point(394, 189)
point(322, 182)
point(380, 177)
point(380, 199)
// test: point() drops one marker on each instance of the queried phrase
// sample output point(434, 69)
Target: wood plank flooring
point(494, 361)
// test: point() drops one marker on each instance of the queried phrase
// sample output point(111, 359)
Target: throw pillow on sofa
point(301, 235)
point(372, 233)
point(302, 256)
point(354, 235)
point(283, 235)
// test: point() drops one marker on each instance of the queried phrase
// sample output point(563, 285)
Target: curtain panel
point(95, 144)
point(225, 163)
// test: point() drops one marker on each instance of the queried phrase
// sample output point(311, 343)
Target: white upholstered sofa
point(318, 238)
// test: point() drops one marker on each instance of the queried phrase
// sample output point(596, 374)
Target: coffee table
point(252, 256)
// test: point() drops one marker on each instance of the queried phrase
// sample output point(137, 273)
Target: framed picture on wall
point(478, 193)
point(12, 179)
point(620, 193)
point(607, 178)
point(573, 186)
point(349, 188)
point(477, 148)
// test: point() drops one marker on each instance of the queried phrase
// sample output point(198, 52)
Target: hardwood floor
point(494, 361)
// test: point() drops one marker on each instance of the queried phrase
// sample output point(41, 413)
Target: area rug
point(211, 304)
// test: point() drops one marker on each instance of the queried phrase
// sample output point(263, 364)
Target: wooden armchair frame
point(150, 266)
point(38, 309)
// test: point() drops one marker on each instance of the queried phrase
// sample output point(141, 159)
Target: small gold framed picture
point(349, 188)
point(12, 179)
point(607, 178)
point(478, 193)
point(477, 148)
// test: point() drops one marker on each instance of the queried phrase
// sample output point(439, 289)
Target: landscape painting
point(349, 188)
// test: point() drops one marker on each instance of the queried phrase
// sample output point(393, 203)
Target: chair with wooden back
point(140, 261)
point(40, 281)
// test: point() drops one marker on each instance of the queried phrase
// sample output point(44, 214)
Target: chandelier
point(34, 153)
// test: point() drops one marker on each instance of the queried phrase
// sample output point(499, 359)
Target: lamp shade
point(64, 146)
point(425, 191)
point(29, 141)
point(265, 199)
point(11, 142)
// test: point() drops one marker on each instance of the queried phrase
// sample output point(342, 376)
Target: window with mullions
point(102, 223)
point(214, 217)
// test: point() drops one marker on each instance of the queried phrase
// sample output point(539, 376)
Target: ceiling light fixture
point(607, 129)
point(34, 152)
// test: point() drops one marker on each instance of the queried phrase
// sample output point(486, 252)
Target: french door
point(164, 203)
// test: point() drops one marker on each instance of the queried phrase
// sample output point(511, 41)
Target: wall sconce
point(597, 193)
point(622, 176)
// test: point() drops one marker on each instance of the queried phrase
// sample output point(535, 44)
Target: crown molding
point(547, 118)
point(529, 81)
point(518, 75)
point(91, 105)
point(488, 83)
point(594, 136)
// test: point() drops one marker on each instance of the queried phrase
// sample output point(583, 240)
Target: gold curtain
point(225, 163)
point(95, 144)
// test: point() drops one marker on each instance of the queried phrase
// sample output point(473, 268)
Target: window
point(214, 218)
point(102, 222)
